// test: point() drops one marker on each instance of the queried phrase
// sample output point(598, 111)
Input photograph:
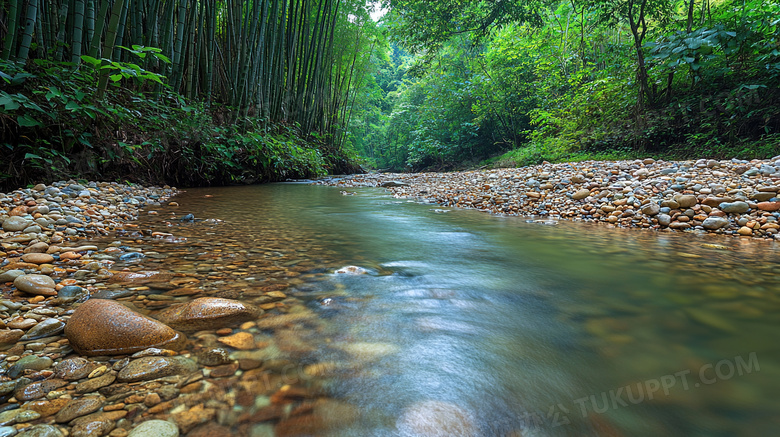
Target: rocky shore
point(729, 197)
point(94, 344)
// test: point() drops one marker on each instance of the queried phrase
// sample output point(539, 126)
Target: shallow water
point(470, 324)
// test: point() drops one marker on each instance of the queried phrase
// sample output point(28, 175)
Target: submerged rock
point(105, 327)
point(208, 313)
point(146, 368)
point(437, 419)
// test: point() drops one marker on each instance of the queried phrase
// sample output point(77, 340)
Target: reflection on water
point(467, 324)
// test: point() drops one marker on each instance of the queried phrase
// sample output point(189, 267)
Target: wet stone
point(77, 408)
point(123, 331)
point(15, 224)
point(147, 368)
point(36, 284)
point(94, 384)
point(37, 390)
point(208, 313)
point(41, 431)
point(10, 336)
point(734, 207)
point(70, 291)
point(155, 428)
point(73, 369)
point(45, 328)
point(10, 275)
point(30, 362)
point(213, 357)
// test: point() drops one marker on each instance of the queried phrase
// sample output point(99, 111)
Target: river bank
point(729, 197)
point(108, 320)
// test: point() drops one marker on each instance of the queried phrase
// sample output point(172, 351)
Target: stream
point(476, 325)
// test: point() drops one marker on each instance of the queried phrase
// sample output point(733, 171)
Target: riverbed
point(502, 325)
point(395, 317)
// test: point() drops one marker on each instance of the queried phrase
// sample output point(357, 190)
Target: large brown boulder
point(105, 327)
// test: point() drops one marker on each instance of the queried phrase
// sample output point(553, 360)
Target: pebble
point(15, 224)
point(147, 368)
point(36, 284)
point(41, 431)
point(621, 193)
point(37, 390)
point(10, 275)
point(714, 223)
point(77, 408)
point(45, 328)
point(155, 428)
point(30, 362)
point(208, 313)
point(73, 369)
point(37, 258)
point(239, 340)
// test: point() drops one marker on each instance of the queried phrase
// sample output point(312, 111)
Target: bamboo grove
point(292, 61)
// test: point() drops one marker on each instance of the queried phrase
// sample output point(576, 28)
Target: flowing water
point(470, 324)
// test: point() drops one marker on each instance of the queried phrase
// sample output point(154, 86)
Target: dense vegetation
point(184, 91)
point(225, 91)
point(574, 79)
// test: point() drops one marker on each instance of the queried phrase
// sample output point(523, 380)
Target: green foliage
point(579, 79)
point(55, 128)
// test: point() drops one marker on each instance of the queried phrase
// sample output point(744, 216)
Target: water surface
point(471, 324)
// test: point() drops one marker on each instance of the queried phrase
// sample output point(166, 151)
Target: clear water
point(470, 324)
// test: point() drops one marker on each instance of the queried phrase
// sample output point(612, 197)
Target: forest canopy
point(463, 81)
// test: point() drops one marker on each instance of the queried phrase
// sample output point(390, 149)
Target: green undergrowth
point(54, 127)
point(554, 152)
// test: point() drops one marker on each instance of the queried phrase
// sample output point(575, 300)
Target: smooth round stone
point(7, 431)
point(105, 327)
point(581, 194)
point(651, 209)
point(112, 294)
point(769, 206)
point(40, 431)
point(37, 258)
point(10, 336)
point(745, 231)
point(10, 275)
point(27, 416)
point(686, 201)
point(664, 219)
point(208, 313)
point(155, 428)
point(36, 284)
point(147, 368)
point(734, 207)
point(38, 389)
point(713, 223)
point(45, 328)
point(73, 369)
point(31, 362)
point(77, 408)
point(69, 291)
point(15, 224)
point(35, 229)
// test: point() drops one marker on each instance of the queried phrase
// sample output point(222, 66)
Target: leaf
point(8, 102)
point(115, 77)
point(26, 120)
point(31, 156)
point(72, 105)
point(90, 60)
